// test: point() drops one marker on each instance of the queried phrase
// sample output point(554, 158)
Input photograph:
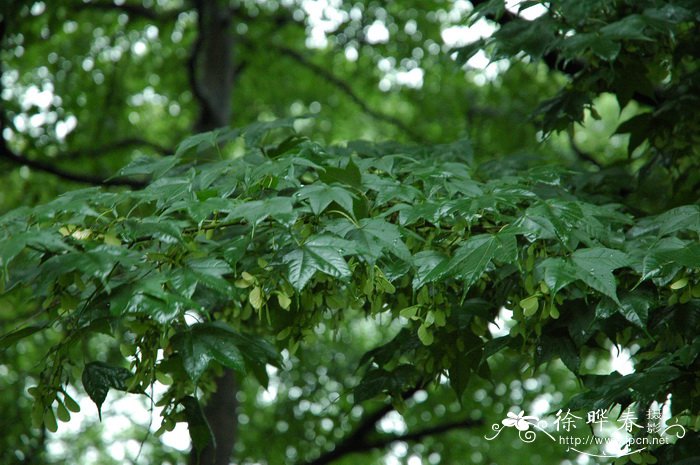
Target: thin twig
point(578, 151)
point(38, 165)
point(347, 90)
point(129, 142)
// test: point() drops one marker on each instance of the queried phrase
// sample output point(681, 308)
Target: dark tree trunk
point(220, 411)
point(212, 70)
point(211, 81)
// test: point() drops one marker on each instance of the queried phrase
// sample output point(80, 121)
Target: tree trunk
point(220, 411)
point(211, 81)
point(212, 65)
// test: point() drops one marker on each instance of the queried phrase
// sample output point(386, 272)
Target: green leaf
point(207, 140)
point(373, 383)
point(235, 249)
point(498, 344)
point(605, 391)
point(463, 364)
point(377, 381)
point(635, 308)
point(147, 297)
point(532, 37)
point(160, 229)
point(50, 420)
point(685, 218)
point(469, 261)
point(610, 389)
point(255, 350)
point(689, 256)
point(285, 146)
point(608, 50)
point(424, 262)
point(507, 251)
point(606, 308)
point(279, 208)
point(210, 272)
point(350, 175)
point(653, 380)
point(321, 195)
point(425, 335)
point(562, 347)
point(205, 342)
point(410, 312)
point(558, 273)
point(255, 132)
point(594, 266)
point(320, 253)
point(529, 305)
point(10, 248)
point(373, 238)
point(638, 129)
point(96, 263)
point(423, 211)
point(99, 377)
point(202, 343)
point(165, 191)
point(49, 240)
point(388, 190)
point(11, 338)
point(404, 342)
point(628, 28)
point(199, 141)
point(197, 424)
point(604, 47)
point(551, 219)
point(146, 166)
point(663, 259)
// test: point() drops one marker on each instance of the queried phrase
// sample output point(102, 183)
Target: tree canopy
point(494, 236)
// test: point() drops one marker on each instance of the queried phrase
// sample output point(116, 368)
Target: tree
point(260, 233)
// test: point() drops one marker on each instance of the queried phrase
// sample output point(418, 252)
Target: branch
point(347, 90)
point(353, 443)
point(366, 426)
point(38, 165)
point(9, 155)
point(199, 96)
point(388, 439)
point(133, 10)
point(210, 65)
point(580, 153)
point(357, 442)
point(117, 145)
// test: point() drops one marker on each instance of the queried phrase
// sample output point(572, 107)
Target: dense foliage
point(286, 236)
point(644, 52)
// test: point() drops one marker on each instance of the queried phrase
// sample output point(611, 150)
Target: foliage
point(643, 52)
point(284, 236)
